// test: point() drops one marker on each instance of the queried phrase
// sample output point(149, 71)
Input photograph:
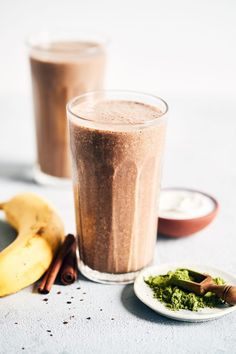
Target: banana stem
point(2, 205)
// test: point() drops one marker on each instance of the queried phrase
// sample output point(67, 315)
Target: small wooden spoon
point(204, 283)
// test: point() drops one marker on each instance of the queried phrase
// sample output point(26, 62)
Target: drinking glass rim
point(42, 39)
point(149, 122)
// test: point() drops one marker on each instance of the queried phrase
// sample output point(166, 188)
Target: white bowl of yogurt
point(183, 212)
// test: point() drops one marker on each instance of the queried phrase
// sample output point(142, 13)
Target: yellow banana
point(40, 233)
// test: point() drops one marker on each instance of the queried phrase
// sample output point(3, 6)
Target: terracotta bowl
point(186, 227)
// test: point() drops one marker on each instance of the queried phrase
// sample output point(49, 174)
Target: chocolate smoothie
point(117, 159)
point(61, 70)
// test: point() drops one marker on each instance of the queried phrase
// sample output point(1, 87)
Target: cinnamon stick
point(41, 287)
point(69, 267)
point(51, 274)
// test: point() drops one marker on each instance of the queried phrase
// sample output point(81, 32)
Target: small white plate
point(145, 293)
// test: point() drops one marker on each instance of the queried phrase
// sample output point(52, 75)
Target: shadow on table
point(16, 171)
point(165, 238)
point(137, 308)
point(8, 235)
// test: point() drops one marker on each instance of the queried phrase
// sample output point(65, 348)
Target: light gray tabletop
point(93, 318)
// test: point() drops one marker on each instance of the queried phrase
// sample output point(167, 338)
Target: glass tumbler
point(63, 65)
point(117, 143)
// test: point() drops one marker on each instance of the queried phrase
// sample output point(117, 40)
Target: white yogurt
point(184, 204)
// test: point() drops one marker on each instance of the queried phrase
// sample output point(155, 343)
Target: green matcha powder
point(175, 298)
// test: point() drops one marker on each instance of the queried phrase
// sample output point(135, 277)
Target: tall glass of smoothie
point(117, 142)
point(63, 65)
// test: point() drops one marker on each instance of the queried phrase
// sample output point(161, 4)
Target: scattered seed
point(59, 292)
point(50, 335)
point(81, 300)
point(45, 299)
point(23, 348)
point(84, 293)
point(68, 302)
point(112, 319)
point(65, 322)
point(78, 288)
point(48, 330)
point(88, 318)
point(100, 309)
point(16, 322)
point(72, 297)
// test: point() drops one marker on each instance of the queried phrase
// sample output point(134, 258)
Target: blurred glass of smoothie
point(62, 66)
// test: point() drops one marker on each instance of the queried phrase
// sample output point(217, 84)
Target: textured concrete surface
point(110, 319)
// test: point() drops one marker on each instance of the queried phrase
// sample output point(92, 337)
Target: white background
point(162, 46)
point(185, 52)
